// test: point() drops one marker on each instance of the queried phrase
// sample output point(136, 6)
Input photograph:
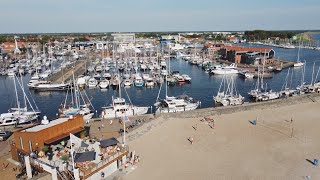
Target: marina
point(140, 92)
point(96, 102)
point(134, 90)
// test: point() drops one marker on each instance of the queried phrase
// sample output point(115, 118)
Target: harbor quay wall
point(245, 107)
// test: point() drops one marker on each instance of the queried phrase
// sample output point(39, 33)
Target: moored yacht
point(232, 69)
point(119, 108)
point(176, 104)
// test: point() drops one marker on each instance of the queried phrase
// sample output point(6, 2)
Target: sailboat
point(119, 108)
point(80, 104)
point(286, 90)
point(19, 115)
point(175, 104)
point(298, 63)
point(257, 91)
point(229, 95)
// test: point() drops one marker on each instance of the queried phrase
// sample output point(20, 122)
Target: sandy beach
point(234, 148)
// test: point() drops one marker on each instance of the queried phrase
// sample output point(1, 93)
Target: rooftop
point(242, 49)
point(45, 126)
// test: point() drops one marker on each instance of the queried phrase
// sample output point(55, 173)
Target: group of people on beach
point(208, 120)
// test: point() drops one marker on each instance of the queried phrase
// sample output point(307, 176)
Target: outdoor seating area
point(89, 154)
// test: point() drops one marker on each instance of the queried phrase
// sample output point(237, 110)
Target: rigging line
point(85, 93)
point(128, 96)
point(159, 92)
point(34, 101)
point(25, 95)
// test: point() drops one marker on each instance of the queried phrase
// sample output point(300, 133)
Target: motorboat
point(138, 81)
point(48, 86)
point(186, 77)
point(81, 82)
point(104, 84)
point(232, 69)
point(92, 83)
point(149, 82)
point(119, 108)
point(176, 104)
point(127, 83)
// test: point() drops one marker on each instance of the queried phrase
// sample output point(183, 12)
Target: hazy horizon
point(103, 16)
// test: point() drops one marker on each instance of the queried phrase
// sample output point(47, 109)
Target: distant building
point(11, 46)
point(191, 40)
point(124, 38)
point(233, 39)
point(243, 55)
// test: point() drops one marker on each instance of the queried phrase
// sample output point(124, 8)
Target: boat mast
point(287, 78)
point(15, 89)
point(232, 86)
point(298, 60)
point(258, 80)
point(24, 94)
point(303, 71)
point(312, 79)
point(167, 83)
point(264, 60)
point(119, 90)
point(75, 91)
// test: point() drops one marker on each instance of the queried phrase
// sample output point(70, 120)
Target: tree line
point(262, 35)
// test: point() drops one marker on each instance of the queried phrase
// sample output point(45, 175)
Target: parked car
point(4, 135)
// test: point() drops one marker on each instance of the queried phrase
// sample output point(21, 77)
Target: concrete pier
point(65, 75)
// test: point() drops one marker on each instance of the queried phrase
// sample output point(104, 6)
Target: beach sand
point(234, 149)
point(6, 168)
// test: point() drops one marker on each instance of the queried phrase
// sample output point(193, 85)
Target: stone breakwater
point(245, 107)
point(199, 113)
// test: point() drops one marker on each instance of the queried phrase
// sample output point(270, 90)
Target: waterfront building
point(35, 138)
point(66, 155)
point(243, 55)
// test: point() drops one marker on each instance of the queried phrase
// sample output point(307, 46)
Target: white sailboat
point(298, 63)
point(19, 115)
point(80, 104)
point(229, 95)
point(286, 89)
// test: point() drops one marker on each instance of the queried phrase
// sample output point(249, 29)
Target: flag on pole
point(75, 141)
point(126, 118)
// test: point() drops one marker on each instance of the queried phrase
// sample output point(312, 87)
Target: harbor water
point(202, 87)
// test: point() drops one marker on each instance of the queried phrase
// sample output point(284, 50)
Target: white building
point(124, 38)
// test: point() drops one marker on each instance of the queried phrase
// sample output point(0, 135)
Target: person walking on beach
point(195, 127)
point(191, 140)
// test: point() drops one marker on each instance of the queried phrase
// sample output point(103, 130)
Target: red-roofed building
point(11, 46)
point(244, 55)
point(213, 48)
point(233, 39)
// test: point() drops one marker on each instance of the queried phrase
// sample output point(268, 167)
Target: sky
point(63, 16)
